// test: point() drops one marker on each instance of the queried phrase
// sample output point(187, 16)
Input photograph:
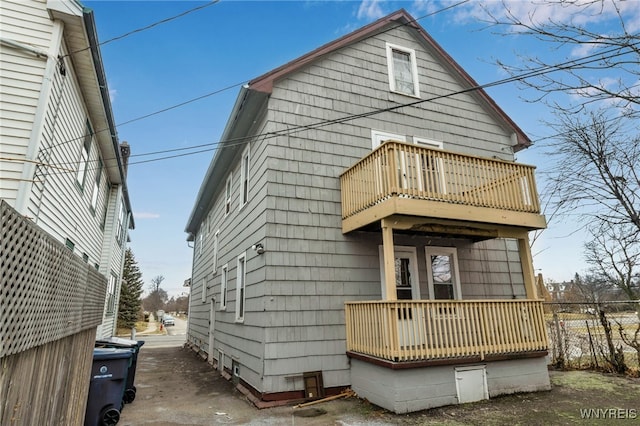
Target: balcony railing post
point(392, 168)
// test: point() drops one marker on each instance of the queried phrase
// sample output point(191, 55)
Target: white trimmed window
point(403, 70)
point(240, 287)
point(431, 175)
point(120, 231)
point(244, 178)
point(215, 251)
point(200, 242)
point(378, 138)
point(111, 294)
point(96, 186)
point(223, 288)
point(428, 142)
point(204, 290)
point(83, 161)
point(227, 195)
point(442, 273)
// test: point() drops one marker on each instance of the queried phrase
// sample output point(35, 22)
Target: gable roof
point(264, 83)
point(253, 96)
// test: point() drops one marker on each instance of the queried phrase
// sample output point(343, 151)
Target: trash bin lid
point(111, 353)
point(120, 342)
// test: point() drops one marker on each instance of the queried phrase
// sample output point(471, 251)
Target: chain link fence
point(603, 335)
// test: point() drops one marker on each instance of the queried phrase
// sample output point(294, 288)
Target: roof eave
point(82, 41)
point(234, 139)
point(264, 83)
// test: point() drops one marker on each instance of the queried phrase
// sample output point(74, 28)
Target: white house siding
point(43, 118)
point(112, 257)
point(21, 78)
point(296, 290)
point(58, 203)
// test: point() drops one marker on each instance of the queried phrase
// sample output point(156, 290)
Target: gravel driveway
point(175, 387)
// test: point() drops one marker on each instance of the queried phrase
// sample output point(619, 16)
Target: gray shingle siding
point(295, 291)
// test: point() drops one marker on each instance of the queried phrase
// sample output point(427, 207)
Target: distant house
point(61, 164)
point(363, 224)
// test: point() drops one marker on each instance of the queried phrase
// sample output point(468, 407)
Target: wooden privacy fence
point(409, 170)
point(50, 305)
point(426, 330)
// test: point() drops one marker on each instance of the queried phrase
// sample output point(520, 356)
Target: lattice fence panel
point(46, 292)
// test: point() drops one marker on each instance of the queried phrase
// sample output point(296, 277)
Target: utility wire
point(148, 27)
point(607, 54)
point(182, 103)
point(415, 20)
point(151, 114)
point(532, 73)
point(296, 129)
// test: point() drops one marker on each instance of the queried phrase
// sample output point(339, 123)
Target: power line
point(607, 54)
point(296, 129)
point(147, 27)
point(182, 103)
point(415, 20)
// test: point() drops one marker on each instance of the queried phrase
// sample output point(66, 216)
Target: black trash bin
point(134, 346)
point(106, 389)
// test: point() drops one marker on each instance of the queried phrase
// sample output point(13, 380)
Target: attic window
point(403, 70)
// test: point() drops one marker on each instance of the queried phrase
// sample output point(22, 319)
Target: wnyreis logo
point(608, 413)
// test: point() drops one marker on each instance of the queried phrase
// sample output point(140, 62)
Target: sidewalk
point(152, 327)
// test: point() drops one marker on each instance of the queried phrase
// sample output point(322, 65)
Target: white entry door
point(406, 273)
point(407, 287)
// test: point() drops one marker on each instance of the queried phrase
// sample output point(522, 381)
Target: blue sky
point(230, 42)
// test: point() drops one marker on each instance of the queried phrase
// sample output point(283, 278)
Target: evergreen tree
point(130, 302)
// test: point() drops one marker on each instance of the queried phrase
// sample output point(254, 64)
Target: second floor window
point(83, 161)
point(227, 195)
point(120, 230)
point(403, 70)
point(96, 186)
point(215, 251)
point(244, 178)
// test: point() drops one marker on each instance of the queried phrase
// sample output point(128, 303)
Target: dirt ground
point(174, 387)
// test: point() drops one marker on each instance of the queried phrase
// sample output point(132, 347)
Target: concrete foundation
point(415, 389)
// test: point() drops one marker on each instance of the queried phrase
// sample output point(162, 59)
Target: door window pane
point(403, 279)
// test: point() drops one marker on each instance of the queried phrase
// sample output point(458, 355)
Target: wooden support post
point(527, 267)
point(389, 261)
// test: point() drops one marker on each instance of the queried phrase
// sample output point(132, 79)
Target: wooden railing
point(408, 170)
point(427, 330)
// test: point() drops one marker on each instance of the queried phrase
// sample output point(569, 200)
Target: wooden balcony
point(422, 330)
point(406, 179)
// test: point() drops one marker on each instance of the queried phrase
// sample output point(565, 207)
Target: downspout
point(26, 182)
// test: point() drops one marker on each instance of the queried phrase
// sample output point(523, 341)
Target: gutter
point(198, 208)
point(90, 26)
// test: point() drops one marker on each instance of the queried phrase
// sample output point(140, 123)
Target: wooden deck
point(428, 330)
point(401, 178)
